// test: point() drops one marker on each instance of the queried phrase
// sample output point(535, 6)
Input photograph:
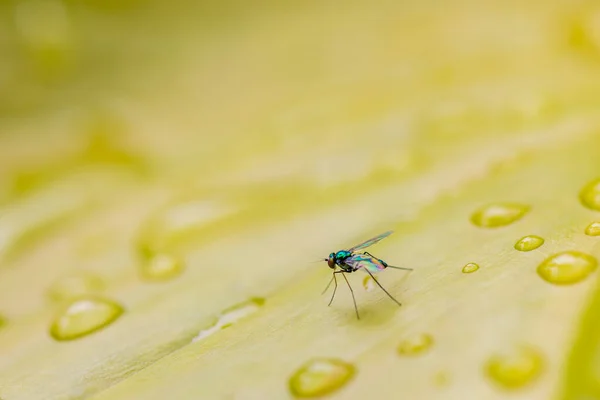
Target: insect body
point(349, 261)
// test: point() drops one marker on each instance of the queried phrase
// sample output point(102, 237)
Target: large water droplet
point(529, 242)
point(593, 229)
point(320, 376)
point(415, 344)
point(567, 267)
point(230, 316)
point(515, 368)
point(368, 283)
point(498, 214)
point(161, 267)
point(470, 267)
point(84, 316)
point(590, 195)
point(75, 285)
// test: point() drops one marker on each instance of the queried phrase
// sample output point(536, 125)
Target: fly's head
point(331, 261)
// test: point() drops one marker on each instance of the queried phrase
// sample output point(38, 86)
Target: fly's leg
point(382, 288)
point(352, 292)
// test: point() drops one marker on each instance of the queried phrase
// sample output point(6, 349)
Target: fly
point(349, 261)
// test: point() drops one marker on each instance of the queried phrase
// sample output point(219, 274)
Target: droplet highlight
point(75, 285)
point(528, 243)
point(320, 377)
point(469, 268)
point(567, 267)
point(161, 267)
point(590, 195)
point(368, 283)
point(593, 229)
point(231, 315)
point(415, 344)
point(83, 317)
point(516, 368)
point(498, 214)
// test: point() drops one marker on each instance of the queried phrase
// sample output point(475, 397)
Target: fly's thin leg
point(352, 292)
point(334, 288)
point(382, 288)
point(329, 284)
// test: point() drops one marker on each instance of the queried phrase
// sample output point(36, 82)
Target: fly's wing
point(370, 241)
point(371, 264)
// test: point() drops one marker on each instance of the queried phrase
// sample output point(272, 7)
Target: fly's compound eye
point(331, 261)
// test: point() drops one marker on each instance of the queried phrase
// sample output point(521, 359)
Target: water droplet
point(161, 267)
point(230, 316)
point(368, 283)
point(515, 368)
point(567, 267)
point(75, 285)
point(590, 195)
point(593, 229)
point(84, 316)
point(470, 267)
point(320, 376)
point(415, 344)
point(529, 242)
point(498, 214)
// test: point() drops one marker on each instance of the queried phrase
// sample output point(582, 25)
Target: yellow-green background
point(300, 128)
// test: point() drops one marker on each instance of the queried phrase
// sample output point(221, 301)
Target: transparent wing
point(371, 241)
point(369, 263)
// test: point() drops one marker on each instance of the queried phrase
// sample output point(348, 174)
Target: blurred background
point(163, 165)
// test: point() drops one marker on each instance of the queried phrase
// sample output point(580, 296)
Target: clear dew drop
point(83, 316)
point(593, 229)
point(498, 214)
point(528, 243)
point(567, 267)
point(590, 195)
point(320, 376)
point(515, 368)
point(368, 283)
point(469, 268)
point(75, 285)
point(415, 344)
point(231, 315)
point(161, 267)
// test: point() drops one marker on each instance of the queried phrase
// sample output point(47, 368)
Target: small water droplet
point(498, 214)
point(320, 376)
point(75, 285)
point(230, 316)
point(515, 368)
point(590, 195)
point(567, 267)
point(593, 229)
point(161, 267)
point(368, 283)
point(470, 267)
point(415, 344)
point(529, 242)
point(84, 316)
